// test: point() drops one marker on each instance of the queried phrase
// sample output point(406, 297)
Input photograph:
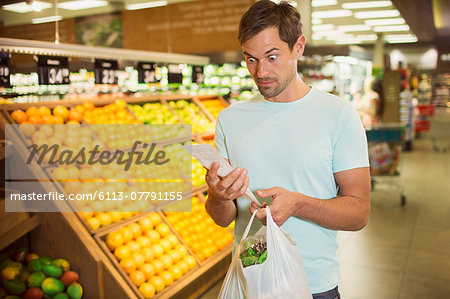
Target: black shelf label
point(105, 71)
point(147, 72)
point(4, 70)
point(198, 75)
point(174, 74)
point(53, 70)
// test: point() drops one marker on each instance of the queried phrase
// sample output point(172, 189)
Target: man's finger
point(261, 215)
point(267, 192)
point(231, 178)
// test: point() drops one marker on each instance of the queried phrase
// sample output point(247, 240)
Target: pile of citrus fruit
point(26, 275)
point(213, 106)
point(199, 231)
point(114, 113)
point(44, 115)
point(95, 220)
point(150, 254)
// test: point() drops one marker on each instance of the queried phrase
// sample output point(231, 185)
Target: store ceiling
point(410, 20)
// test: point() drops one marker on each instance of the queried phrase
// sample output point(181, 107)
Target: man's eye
point(251, 60)
point(273, 57)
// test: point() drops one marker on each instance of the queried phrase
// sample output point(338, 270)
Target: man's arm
point(222, 192)
point(349, 211)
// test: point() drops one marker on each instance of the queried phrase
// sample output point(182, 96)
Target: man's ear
point(299, 46)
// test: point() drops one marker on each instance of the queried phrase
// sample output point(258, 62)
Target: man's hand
point(228, 188)
point(284, 204)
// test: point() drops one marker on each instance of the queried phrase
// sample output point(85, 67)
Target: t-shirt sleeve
point(219, 138)
point(350, 142)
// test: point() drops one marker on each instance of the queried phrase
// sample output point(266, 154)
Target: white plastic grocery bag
point(281, 276)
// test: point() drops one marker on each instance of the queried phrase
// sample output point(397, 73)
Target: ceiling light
point(376, 14)
point(366, 37)
point(316, 21)
point(354, 28)
point(46, 19)
point(317, 3)
point(81, 4)
point(146, 5)
point(23, 7)
point(391, 28)
point(328, 33)
point(332, 13)
point(366, 4)
point(340, 37)
point(322, 27)
point(36, 6)
point(382, 22)
point(400, 38)
point(350, 41)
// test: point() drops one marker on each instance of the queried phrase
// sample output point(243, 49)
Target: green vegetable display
point(253, 251)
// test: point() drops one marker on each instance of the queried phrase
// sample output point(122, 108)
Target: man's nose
point(261, 70)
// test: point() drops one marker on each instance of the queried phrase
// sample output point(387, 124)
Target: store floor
point(404, 252)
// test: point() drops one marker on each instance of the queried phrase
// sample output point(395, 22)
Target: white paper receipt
point(206, 155)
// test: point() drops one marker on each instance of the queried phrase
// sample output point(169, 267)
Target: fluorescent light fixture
point(377, 14)
point(329, 33)
point(383, 22)
point(81, 4)
point(146, 5)
point(400, 38)
point(46, 19)
point(339, 13)
point(318, 3)
point(36, 6)
point(351, 41)
point(391, 28)
point(354, 28)
point(316, 21)
point(340, 37)
point(322, 27)
point(23, 7)
point(366, 4)
point(366, 37)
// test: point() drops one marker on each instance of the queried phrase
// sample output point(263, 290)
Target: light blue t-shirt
point(297, 146)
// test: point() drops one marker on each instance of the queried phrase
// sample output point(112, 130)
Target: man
point(303, 151)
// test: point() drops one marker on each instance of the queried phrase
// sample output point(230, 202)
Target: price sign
point(53, 70)
point(174, 74)
point(147, 72)
point(4, 70)
point(197, 74)
point(105, 71)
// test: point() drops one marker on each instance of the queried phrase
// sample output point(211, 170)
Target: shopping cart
point(440, 130)
point(385, 144)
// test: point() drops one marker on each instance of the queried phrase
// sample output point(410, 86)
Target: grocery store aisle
point(404, 252)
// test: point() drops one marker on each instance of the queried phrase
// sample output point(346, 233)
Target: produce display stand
point(393, 135)
point(67, 234)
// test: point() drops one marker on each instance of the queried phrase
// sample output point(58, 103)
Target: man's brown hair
point(265, 14)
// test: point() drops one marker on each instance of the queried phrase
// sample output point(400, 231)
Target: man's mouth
point(265, 83)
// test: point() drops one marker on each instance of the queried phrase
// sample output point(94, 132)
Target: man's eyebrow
point(248, 54)
point(267, 52)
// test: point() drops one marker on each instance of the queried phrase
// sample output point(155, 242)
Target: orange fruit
point(182, 249)
point(104, 218)
point(148, 270)
point(32, 111)
point(176, 272)
point(153, 235)
point(128, 264)
point(166, 260)
point(167, 277)
point(136, 229)
point(146, 224)
point(158, 283)
point(44, 111)
point(134, 246)
point(75, 115)
point(175, 255)
point(60, 173)
point(19, 116)
point(73, 122)
point(127, 234)
point(147, 290)
point(190, 261)
point(158, 266)
point(86, 214)
point(61, 111)
point(184, 266)
point(163, 229)
point(147, 253)
point(165, 244)
point(143, 241)
point(115, 216)
point(88, 106)
point(137, 277)
point(93, 223)
point(156, 219)
point(173, 240)
point(138, 258)
point(27, 129)
point(158, 250)
point(114, 240)
point(122, 252)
